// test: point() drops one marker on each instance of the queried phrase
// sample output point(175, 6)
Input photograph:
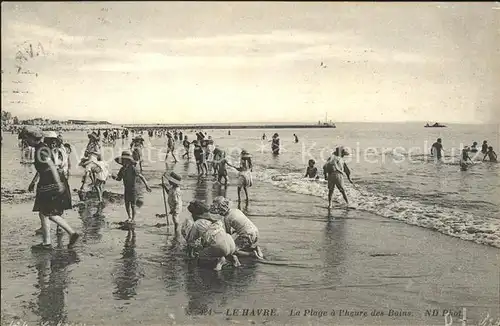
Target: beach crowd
point(215, 233)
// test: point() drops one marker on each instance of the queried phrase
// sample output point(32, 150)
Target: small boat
point(436, 125)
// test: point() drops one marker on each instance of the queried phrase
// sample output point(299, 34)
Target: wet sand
point(348, 260)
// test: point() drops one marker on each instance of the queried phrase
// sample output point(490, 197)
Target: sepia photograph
point(250, 163)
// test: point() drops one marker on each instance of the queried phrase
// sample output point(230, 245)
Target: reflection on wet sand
point(334, 248)
point(207, 289)
point(127, 274)
point(219, 190)
point(201, 189)
point(172, 262)
point(53, 275)
point(92, 220)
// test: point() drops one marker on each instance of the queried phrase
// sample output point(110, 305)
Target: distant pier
point(231, 126)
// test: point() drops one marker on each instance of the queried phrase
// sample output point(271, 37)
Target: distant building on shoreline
point(87, 122)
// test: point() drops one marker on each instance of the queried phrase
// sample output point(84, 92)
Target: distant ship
point(326, 123)
point(436, 125)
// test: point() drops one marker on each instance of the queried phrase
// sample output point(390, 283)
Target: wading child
point(490, 154)
point(129, 174)
point(98, 173)
point(464, 159)
point(199, 157)
point(222, 168)
point(245, 176)
point(174, 197)
point(334, 171)
point(217, 157)
point(186, 145)
point(312, 171)
point(170, 147)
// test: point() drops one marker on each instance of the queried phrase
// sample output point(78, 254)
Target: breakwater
point(230, 126)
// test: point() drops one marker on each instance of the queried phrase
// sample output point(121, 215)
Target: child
point(174, 197)
point(67, 147)
point(186, 145)
point(128, 173)
point(491, 155)
point(199, 157)
point(217, 157)
point(484, 147)
point(473, 148)
point(221, 168)
point(98, 174)
point(170, 147)
point(312, 171)
point(136, 147)
point(334, 171)
point(245, 175)
point(210, 154)
point(464, 158)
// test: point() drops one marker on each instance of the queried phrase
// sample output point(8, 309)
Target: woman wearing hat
point(206, 237)
point(245, 173)
point(129, 174)
point(241, 227)
point(51, 193)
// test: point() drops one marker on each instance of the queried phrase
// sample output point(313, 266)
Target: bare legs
point(239, 196)
point(330, 194)
point(130, 208)
point(45, 221)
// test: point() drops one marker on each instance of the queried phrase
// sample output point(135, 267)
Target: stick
point(164, 199)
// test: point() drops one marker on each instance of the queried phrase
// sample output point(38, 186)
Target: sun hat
point(125, 156)
point(174, 178)
point(93, 134)
point(220, 206)
point(245, 154)
point(275, 134)
point(31, 131)
point(50, 134)
point(198, 207)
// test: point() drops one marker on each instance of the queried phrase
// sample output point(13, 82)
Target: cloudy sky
point(176, 62)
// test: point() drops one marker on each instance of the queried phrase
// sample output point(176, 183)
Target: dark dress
point(48, 200)
point(275, 145)
point(132, 184)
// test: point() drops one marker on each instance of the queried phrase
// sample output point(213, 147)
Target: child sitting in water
point(174, 197)
point(464, 158)
point(491, 155)
point(128, 173)
point(312, 171)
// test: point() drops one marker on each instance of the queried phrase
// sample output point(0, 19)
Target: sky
point(199, 62)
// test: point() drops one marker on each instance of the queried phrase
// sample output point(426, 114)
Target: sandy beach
point(352, 263)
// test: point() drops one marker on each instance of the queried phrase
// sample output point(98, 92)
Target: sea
point(429, 224)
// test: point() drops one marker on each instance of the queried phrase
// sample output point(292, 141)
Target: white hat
point(50, 134)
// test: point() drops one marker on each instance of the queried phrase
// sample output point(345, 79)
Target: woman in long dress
point(52, 193)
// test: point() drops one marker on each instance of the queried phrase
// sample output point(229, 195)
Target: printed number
point(198, 312)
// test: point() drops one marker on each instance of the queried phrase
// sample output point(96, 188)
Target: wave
point(445, 220)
